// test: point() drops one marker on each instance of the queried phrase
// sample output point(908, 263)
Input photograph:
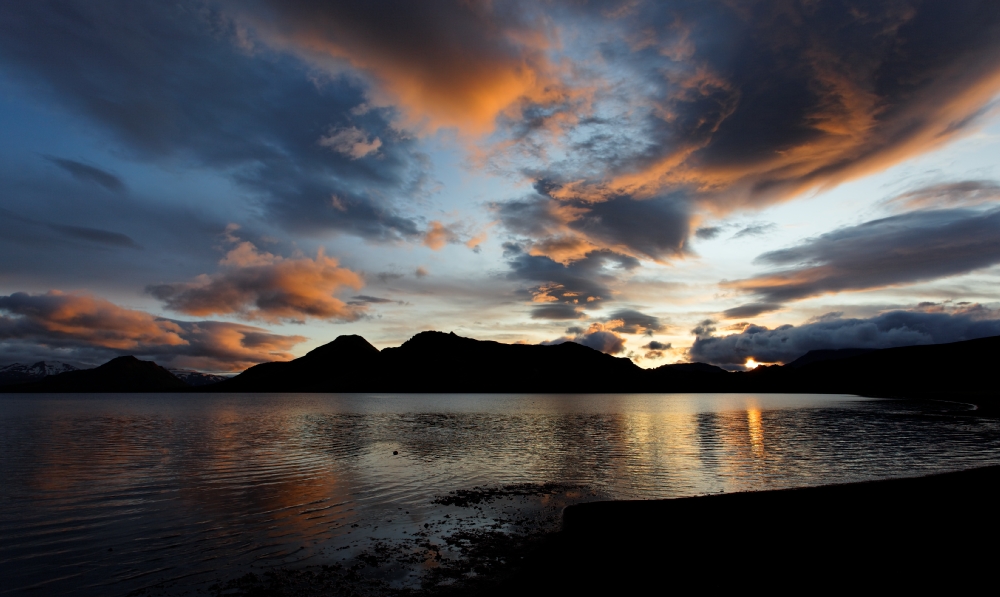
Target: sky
point(213, 184)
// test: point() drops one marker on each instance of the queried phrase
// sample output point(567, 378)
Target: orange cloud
point(258, 285)
point(86, 319)
point(438, 236)
point(443, 64)
point(93, 328)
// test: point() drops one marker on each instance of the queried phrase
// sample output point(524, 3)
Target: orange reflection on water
point(755, 428)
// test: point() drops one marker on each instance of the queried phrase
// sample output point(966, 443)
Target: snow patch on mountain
point(19, 373)
point(197, 378)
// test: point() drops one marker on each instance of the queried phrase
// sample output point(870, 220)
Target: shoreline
point(913, 532)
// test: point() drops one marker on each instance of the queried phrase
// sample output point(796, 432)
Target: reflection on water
point(107, 494)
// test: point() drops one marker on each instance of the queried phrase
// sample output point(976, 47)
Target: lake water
point(107, 494)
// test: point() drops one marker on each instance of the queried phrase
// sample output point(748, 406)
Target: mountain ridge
point(444, 362)
point(17, 373)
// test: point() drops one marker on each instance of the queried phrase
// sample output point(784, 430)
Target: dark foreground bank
point(938, 531)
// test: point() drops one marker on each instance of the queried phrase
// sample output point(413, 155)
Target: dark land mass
point(122, 374)
point(440, 362)
point(930, 533)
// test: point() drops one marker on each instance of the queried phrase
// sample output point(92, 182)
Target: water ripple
point(103, 495)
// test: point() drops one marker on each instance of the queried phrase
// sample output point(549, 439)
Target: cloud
point(630, 321)
point(562, 290)
point(895, 328)
point(750, 310)
point(654, 345)
point(901, 249)
point(556, 311)
point(597, 336)
point(759, 229)
point(176, 84)
point(701, 109)
point(96, 235)
point(91, 174)
point(260, 285)
point(569, 227)
point(421, 272)
point(708, 232)
point(351, 142)
point(444, 64)
point(966, 193)
point(655, 350)
point(372, 300)
point(438, 236)
point(84, 328)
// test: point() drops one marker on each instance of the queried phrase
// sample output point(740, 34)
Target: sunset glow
point(221, 183)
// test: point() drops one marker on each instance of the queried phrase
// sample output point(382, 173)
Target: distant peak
point(342, 345)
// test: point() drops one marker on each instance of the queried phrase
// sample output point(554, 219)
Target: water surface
point(106, 494)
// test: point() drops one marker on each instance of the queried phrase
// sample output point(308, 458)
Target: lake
point(108, 494)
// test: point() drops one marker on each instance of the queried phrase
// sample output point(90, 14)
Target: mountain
point(348, 364)
point(958, 370)
point(123, 374)
point(18, 373)
point(439, 362)
point(816, 356)
point(197, 378)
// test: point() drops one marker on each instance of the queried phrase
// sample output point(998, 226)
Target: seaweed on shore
point(470, 560)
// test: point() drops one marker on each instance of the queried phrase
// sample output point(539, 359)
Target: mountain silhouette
point(122, 374)
point(816, 356)
point(958, 370)
point(445, 362)
point(348, 364)
point(438, 362)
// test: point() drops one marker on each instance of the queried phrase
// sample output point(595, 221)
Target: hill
point(122, 374)
point(440, 362)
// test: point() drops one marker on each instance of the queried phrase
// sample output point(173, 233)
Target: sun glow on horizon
point(751, 364)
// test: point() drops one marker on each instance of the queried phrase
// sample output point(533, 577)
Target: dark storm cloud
point(654, 345)
point(896, 328)
point(903, 249)
point(86, 173)
point(82, 328)
point(172, 84)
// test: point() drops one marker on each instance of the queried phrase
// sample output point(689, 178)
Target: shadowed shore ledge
point(937, 531)
point(913, 532)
